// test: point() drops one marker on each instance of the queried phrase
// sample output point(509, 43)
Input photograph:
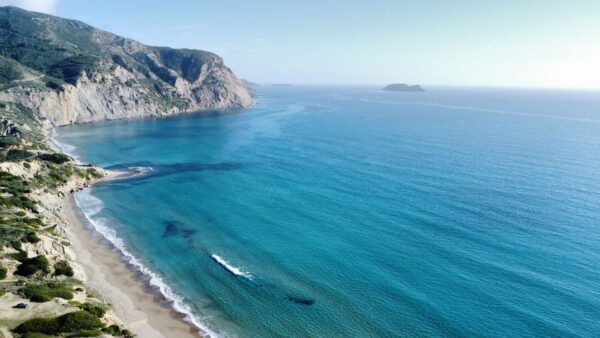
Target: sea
point(348, 211)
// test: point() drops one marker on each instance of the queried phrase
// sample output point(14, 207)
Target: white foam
point(230, 268)
point(91, 206)
point(64, 148)
point(139, 171)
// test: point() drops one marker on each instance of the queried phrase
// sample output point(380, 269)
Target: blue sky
point(490, 43)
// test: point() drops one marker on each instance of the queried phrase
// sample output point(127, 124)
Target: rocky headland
point(69, 72)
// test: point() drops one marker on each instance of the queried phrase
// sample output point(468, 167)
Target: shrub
point(9, 71)
point(53, 84)
point(40, 261)
point(56, 176)
point(37, 294)
point(32, 237)
point(71, 68)
point(54, 158)
point(63, 293)
point(79, 321)
point(41, 293)
point(6, 141)
point(11, 235)
point(115, 330)
point(19, 256)
point(127, 334)
point(39, 325)
point(93, 173)
point(26, 270)
point(63, 268)
point(36, 335)
point(27, 165)
point(3, 273)
point(18, 202)
point(96, 310)
point(33, 222)
point(12, 191)
point(18, 154)
point(12, 184)
point(30, 266)
point(87, 333)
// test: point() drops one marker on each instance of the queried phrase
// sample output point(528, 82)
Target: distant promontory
point(69, 72)
point(403, 87)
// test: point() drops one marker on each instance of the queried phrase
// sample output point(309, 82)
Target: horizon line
point(278, 83)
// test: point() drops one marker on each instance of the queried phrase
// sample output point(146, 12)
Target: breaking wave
point(229, 267)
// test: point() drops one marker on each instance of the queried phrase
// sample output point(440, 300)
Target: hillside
point(70, 72)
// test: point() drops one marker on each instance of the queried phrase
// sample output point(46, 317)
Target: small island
point(403, 87)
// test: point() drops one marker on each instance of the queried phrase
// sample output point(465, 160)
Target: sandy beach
point(133, 301)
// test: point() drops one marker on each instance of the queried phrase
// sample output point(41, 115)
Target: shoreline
point(132, 287)
point(134, 301)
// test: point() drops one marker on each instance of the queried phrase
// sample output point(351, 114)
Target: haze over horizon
point(508, 44)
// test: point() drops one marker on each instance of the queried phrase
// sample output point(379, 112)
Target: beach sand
point(133, 301)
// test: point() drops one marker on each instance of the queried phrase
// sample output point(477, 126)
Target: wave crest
point(139, 171)
point(229, 267)
point(64, 148)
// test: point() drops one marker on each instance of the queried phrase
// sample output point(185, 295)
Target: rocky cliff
point(69, 72)
point(9, 129)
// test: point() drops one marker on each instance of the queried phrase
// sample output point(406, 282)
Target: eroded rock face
point(118, 95)
point(8, 128)
point(97, 75)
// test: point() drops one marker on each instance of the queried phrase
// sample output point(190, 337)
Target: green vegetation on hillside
point(71, 68)
point(13, 192)
point(28, 42)
point(9, 71)
point(186, 62)
point(30, 266)
point(16, 155)
point(63, 268)
point(74, 322)
point(45, 292)
point(31, 136)
point(63, 49)
point(54, 158)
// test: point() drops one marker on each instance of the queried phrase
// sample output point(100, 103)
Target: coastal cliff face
point(9, 129)
point(69, 72)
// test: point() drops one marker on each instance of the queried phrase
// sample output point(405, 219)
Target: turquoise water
point(348, 211)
